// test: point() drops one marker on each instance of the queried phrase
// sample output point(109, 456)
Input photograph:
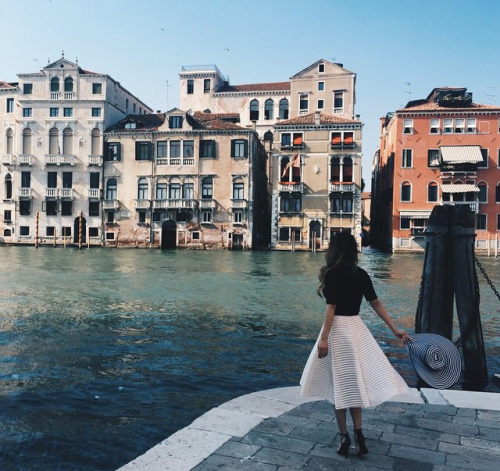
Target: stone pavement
point(277, 430)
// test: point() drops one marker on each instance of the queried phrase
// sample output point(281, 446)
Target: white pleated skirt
point(355, 373)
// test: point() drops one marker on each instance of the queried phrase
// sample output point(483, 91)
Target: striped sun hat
point(435, 359)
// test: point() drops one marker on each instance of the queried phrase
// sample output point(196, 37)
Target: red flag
point(295, 162)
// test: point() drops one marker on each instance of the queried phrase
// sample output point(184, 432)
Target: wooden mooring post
point(450, 273)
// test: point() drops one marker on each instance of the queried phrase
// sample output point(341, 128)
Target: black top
point(345, 289)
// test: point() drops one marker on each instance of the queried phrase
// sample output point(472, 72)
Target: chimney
point(317, 118)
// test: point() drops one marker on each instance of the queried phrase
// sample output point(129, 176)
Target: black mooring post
point(436, 313)
point(467, 298)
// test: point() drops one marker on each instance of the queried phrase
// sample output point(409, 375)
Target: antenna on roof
point(408, 84)
point(167, 85)
point(491, 96)
point(62, 54)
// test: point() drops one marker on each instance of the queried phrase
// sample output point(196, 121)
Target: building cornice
point(252, 94)
point(320, 127)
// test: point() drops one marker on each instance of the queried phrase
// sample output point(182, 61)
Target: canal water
point(104, 353)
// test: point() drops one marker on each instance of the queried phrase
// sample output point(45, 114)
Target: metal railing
point(291, 187)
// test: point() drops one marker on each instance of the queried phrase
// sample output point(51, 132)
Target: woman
point(346, 366)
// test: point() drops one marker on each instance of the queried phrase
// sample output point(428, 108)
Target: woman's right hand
point(322, 348)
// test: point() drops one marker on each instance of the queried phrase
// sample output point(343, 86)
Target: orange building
point(443, 149)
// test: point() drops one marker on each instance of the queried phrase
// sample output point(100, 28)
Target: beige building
point(52, 152)
point(185, 180)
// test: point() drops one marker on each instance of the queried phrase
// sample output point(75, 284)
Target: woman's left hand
point(401, 334)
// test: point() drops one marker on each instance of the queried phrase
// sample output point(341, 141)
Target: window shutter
point(246, 148)
point(118, 151)
point(233, 145)
point(150, 151)
point(137, 157)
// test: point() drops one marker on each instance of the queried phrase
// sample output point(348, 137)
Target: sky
point(399, 50)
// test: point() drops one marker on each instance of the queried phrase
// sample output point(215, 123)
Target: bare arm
point(379, 308)
point(325, 330)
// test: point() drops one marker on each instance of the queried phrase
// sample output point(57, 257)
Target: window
point(110, 235)
point(95, 142)
point(66, 208)
point(66, 231)
point(24, 231)
point(143, 150)
point(10, 105)
point(432, 192)
point(238, 191)
point(283, 108)
point(239, 148)
point(27, 141)
point(303, 103)
point(175, 149)
point(404, 223)
point(483, 192)
point(406, 191)
point(54, 112)
point(142, 189)
point(67, 179)
point(68, 84)
point(269, 109)
point(207, 188)
point(206, 86)
point(321, 68)
point(134, 107)
point(96, 112)
point(7, 215)
point(433, 158)
point(161, 191)
point(347, 170)
point(434, 126)
point(321, 86)
point(290, 202)
point(321, 104)
point(174, 191)
point(448, 125)
point(338, 101)
point(484, 163)
point(27, 88)
point(238, 217)
point(7, 232)
point(126, 104)
point(407, 160)
point(112, 152)
point(93, 232)
point(51, 179)
point(50, 231)
point(8, 186)
point(497, 193)
point(286, 140)
point(10, 140)
point(54, 85)
point(498, 222)
point(97, 88)
point(188, 191)
point(162, 150)
point(111, 190)
point(341, 202)
point(110, 219)
point(459, 125)
point(68, 112)
point(93, 208)
point(481, 222)
point(67, 141)
point(51, 207)
point(141, 217)
point(207, 149)
point(471, 125)
point(27, 112)
point(408, 126)
point(190, 86)
point(25, 179)
point(254, 110)
point(188, 149)
point(24, 207)
point(206, 216)
point(175, 122)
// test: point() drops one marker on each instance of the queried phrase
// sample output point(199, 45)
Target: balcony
point(180, 203)
point(474, 205)
point(110, 204)
point(59, 159)
point(189, 161)
point(341, 145)
point(239, 204)
point(7, 159)
point(95, 160)
point(339, 212)
point(25, 159)
point(51, 192)
point(94, 193)
point(291, 186)
point(342, 186)
point(207, 203)
point(67, 193)
point(141, 204)
point(175, 161)
point(25, 193)
point(68, 95)
point(290, 146)
point(161, 161)
point(54, 95)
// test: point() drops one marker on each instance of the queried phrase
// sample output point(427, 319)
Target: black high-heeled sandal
point(345, 443)
point(359, 438)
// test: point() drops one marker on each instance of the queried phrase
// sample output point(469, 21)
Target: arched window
point(483, 192)
point(54, 141)
point(142, 189)
point(174, 189)
point(10, 141)
point(335, 169)
point(238, 189)
point(406, 191)
point(432, 192)
point(254, 110)
point(188, 189)
point(8, 187)
point(27, 141)
point(95, 143)
point(347, 170)
point(283, 108)
point(111, 192)
point(161, 190)
point(67, 141)
point(54, 84)
point(269, 109)
point(7, 232)
point(68, 84)
point(207, 188)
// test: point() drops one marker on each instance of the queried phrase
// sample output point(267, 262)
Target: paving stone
point(280, 457)
point(488, 415)
point(317, 435)
point(440, 409)
point(458, 419)
point(488, 423)
point(472, 452)
point(430, 434)
point(457, 429)
point(471, 463)
point(391, 407)
point(447, 468)
point(489, 445)
point(318, 463)
point(467, 412)
point(489, 433)
point(441, 417)
point(237, 449)
point(280, 443)
point(417, 454)
point(401, 464)
point(274, 426)
point(299, 421)
point(225, 463)
point(417, 442)
point(378, 426)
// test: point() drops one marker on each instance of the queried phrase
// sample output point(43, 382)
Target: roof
point(459, 188)
point(432, 106)
point(461, 154)
point(202, 116)
point(216, 121)
point(256, 87)
point(8, 85)
point(324, 119)
point(144, 122)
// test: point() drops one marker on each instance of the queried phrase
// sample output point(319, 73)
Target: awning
point(416, 214)
point(461, 154)
point(459, 188)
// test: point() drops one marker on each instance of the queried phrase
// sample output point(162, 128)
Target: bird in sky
point(226, 49)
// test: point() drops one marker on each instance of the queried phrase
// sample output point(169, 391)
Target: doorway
point(77, 229)
point(169, 235)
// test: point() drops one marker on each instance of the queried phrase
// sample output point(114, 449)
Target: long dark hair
point(342, 253)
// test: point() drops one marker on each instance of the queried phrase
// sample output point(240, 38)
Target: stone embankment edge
point(188, 447)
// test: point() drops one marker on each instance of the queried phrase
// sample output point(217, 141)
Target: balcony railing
point(291, 186)
point(342, 145)
point(161, 160)
point(59, 159)
point(188, 161)
point(289, 145)
point(68, 95)
point(207, 204)
point(141, 204)
point(7, 159)
point(51, 192)
point(474, 205)
point(54, 95)
point(94, 193)
point(25, 159)
point(25, 193)
point(343, 186)
point(239, 204)
point(110, 204)
point(178, 203)
point(66, 192)
point(95, 160)
point(175, 161)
